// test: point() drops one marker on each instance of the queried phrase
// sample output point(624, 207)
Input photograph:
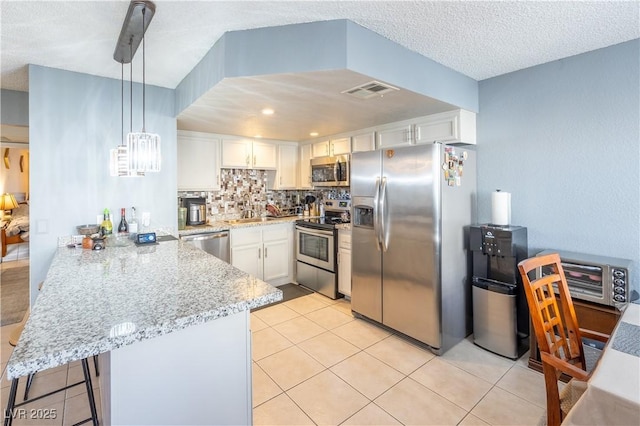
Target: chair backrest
point(555, 324)
point(556, 327)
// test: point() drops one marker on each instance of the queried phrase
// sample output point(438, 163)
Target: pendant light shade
point(141, 153)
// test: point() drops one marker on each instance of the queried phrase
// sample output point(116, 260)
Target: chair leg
point(8, 414)
point(95, 364)
point(28, 385)
point(92, 401)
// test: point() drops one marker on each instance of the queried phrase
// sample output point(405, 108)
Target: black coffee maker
point(500, 310)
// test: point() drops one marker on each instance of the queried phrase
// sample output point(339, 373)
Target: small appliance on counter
point(500, 311)
point(196, 210)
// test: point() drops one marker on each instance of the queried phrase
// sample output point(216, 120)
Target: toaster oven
point(597, 279)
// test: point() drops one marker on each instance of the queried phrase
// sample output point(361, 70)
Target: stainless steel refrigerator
point(411, 210)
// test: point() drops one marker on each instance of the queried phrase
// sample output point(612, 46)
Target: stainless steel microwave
point(597, 279)
point(330, 171)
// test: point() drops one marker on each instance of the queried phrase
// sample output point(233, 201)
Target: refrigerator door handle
point(376, 214)
point(384, 237)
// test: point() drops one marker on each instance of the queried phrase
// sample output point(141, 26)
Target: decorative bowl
point(88, 229)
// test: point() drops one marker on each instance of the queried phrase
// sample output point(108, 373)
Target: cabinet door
point(451, 126)
point(320, 149)
point(236, 153)
point(394, 136)
point(344, 272)
point(340, 146)
point(198, 161)
point(286, 177)
point(265, 155)
point(248, 258)
point(305, 167)
point(276, 260)
point(363, 142)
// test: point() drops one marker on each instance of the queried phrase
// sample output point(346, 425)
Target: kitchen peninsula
point(171, 324)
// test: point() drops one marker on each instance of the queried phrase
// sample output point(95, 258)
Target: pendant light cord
point(143, 72)
point(131, 87)
point(122, 101)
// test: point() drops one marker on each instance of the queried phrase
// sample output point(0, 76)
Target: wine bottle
point(123, 228)
point(107, 227)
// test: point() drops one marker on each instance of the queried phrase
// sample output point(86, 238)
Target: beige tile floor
point(313, 363)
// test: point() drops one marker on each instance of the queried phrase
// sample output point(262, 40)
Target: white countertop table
point(613, 391)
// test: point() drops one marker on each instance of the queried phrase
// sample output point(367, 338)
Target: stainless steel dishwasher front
point(215, 243)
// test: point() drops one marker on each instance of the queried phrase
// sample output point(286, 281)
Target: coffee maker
point(500, 310)
point(196, 210)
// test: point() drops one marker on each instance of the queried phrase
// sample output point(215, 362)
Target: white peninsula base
point(197, 375)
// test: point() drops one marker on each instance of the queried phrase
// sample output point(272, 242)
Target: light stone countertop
point(96, 301)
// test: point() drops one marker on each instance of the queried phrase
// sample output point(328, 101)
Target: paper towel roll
point(500, 208)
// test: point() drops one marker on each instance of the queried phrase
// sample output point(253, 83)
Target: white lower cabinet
point(344, 262)
point(264, 252)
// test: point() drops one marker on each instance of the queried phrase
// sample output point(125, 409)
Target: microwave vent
point(369, 90)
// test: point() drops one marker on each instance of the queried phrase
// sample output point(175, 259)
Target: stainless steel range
point(316, 248)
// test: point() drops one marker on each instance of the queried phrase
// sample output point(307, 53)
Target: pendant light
point(119, 164)
point(142, 150)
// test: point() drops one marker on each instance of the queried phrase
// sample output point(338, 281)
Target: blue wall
point(564, 139)
point(14, 107)
point(325, 45)
point(74, 120)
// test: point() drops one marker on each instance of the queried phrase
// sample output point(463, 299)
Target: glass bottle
point(123, 227)
point(107, 227)
point(133, 223)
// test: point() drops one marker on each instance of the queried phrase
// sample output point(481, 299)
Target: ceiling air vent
point(369, 90)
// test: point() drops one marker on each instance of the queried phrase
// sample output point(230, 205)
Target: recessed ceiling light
point(258, 136)
point(267, 111)
point(313, 134)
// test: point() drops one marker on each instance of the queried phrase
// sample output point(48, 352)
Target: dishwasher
point(215, 243)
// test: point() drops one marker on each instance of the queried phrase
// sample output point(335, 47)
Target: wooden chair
point(557, 332)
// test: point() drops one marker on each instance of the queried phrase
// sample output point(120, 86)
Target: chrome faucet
point(247, 209)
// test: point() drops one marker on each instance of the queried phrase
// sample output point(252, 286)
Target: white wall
point(74, 120)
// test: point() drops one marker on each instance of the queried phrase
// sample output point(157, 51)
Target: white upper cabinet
point(287, 174)
point(320, 149)
point(265, 155)
point(339, 146)
point(395, 134)
point(457, 126)
point(331, 147)
point(247, 154)
point(198, 161)
point(363, 142)
point(305, 167)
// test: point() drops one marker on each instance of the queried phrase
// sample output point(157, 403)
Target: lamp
point(7, 202)
point(142, 150)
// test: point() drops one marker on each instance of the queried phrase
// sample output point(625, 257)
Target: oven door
point(315, 247)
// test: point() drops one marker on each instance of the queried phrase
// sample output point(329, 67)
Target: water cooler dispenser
point(500, 311)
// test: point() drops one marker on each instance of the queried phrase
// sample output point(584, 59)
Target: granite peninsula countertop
point(96, 301)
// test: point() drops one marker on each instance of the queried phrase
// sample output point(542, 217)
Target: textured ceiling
point(479, 39)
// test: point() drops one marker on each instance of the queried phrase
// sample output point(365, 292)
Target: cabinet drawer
point(274, 233)
point(344, 239)
point(240, 237)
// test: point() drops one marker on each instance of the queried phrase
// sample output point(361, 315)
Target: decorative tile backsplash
point(242, 188)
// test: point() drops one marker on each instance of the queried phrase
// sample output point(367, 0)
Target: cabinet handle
point(265, 252)
point(254, 160)
point(247, 160)
point(338, 258)
point(259, 253)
